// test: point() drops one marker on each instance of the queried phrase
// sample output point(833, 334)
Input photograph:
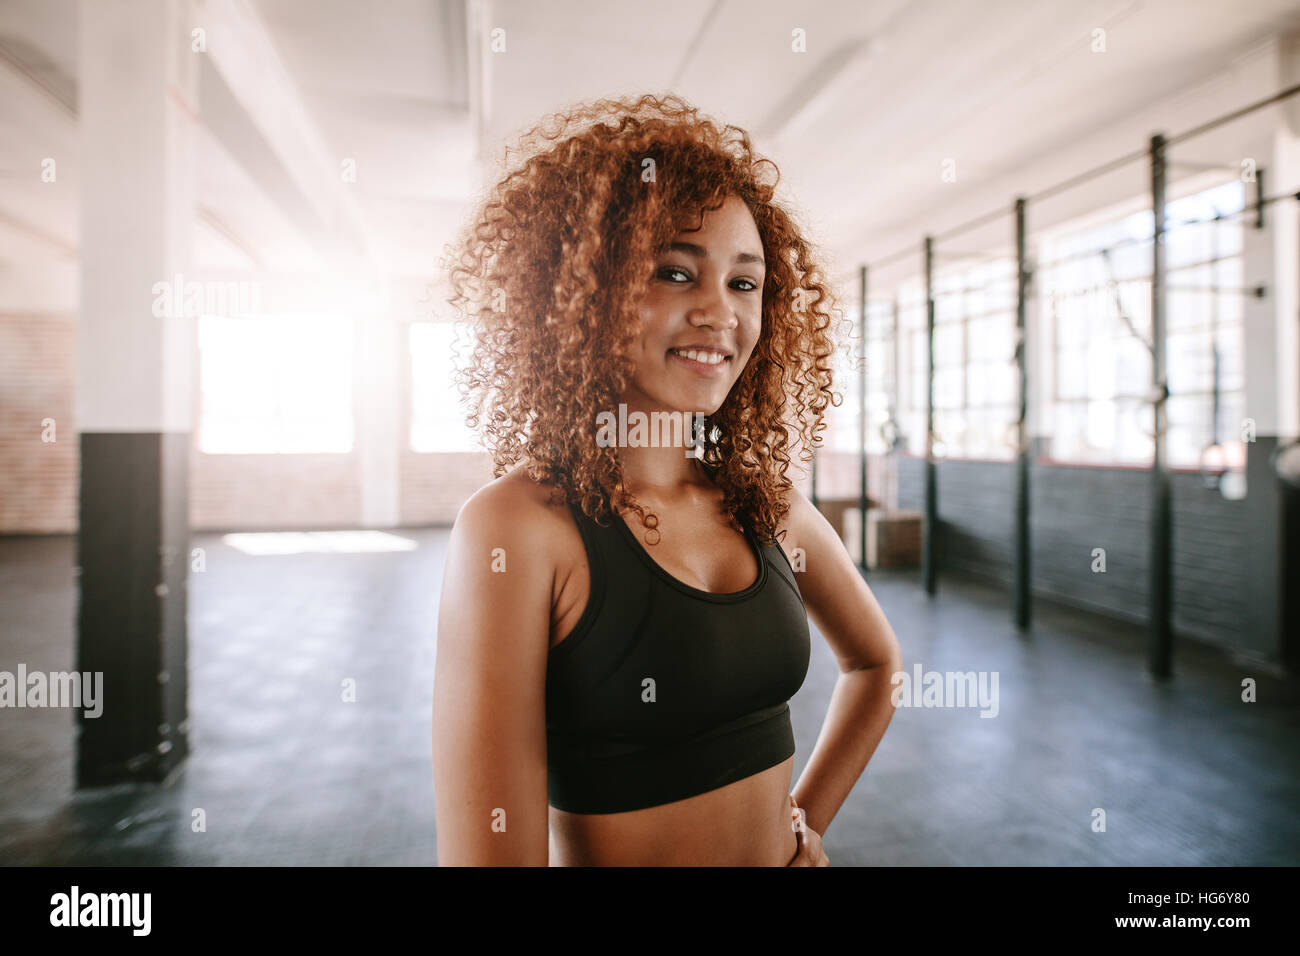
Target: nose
point(712, 310)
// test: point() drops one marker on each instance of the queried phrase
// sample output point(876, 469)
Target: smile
point(701, 361)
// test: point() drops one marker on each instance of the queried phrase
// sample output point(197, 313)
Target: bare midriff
point(746, 823)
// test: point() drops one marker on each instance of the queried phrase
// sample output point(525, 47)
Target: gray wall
point(1074, 509)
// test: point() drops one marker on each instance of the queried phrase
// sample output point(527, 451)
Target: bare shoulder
point(513, 557)
point(515, 511)
point(512, 518)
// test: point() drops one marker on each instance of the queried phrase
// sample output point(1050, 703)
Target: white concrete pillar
point(138, 104)
point(380, 349)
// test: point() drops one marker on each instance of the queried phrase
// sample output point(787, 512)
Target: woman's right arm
point(489, 696)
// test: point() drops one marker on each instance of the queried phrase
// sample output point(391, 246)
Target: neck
point(659, 471)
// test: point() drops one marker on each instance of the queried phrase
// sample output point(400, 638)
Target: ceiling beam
point(251, 104)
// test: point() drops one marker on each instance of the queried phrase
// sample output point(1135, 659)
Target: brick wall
point(249, 492)
point(1074, 509)
point(434, 486)
point(38, 479)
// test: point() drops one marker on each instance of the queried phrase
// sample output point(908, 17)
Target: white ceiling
point(859, 124)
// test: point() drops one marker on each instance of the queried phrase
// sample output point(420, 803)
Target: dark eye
point(751, 283)
point(665, 272)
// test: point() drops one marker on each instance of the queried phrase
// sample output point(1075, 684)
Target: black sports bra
point(663, 691)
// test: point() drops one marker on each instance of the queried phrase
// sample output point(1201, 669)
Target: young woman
point(615, 693)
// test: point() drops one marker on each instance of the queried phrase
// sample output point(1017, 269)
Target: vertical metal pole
point(862, 423)
point(898, 358)
point(891, 499)
point(1161, 637)
point(1259, 198)
point(963, 323)
point(1214, 331)
point(1022, 597)
point(931, 485)
point(1287, 502)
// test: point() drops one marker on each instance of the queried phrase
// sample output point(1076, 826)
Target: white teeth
point(705, 358)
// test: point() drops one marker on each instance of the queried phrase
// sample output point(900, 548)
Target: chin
point(685, 405)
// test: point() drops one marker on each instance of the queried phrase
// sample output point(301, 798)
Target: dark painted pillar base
point(932, 533)
point(1261, 637)
point(133, 548)
point(1290, 559)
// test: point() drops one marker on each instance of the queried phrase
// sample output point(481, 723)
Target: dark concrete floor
point(287, 774)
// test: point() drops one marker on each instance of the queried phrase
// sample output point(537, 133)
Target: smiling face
point(702, 314)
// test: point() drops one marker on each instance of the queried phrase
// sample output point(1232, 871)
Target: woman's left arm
point(845, 611)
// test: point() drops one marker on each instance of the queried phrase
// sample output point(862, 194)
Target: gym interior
point(1065, 461)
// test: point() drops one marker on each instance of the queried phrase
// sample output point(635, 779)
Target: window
point(844, 421)
point(975, 380)
point(976, 384)
point(437, 415)
point(1097, 314)
point(841, 433)
point(882, 374)
point(275, 384)
point(1204, 332)
point(913, 363)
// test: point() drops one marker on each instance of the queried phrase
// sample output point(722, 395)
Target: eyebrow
point(691, 249)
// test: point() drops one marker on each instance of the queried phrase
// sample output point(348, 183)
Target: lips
point(705, 363)
point(709, 355)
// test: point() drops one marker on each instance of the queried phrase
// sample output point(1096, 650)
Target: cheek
point(654, 322)
point(753, 332)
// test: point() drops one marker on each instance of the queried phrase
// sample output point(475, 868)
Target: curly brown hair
point(548, 273)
